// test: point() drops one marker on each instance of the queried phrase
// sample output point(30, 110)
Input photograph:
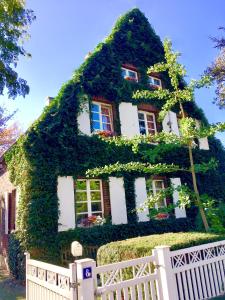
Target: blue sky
point(65, 31)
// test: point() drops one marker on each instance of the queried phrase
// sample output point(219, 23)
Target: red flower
point(131, 78)
point(105, 133)
point(162, 216)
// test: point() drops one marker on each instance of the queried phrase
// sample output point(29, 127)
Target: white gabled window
point(147, 123)
point(154, 82)
point(88, 199)
point(129, 74)
point(101, 117)
point(153, 187)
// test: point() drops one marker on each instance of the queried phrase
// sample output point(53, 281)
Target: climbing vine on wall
point(53, 146)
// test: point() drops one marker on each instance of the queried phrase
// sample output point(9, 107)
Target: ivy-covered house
point(43, 183)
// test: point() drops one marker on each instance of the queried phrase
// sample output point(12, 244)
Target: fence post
point(86, 278)
point(167, 277)
point(27, 254)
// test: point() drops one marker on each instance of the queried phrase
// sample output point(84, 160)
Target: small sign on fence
point(87, 273)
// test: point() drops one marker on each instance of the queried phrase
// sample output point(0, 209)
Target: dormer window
point(101, 117)
point(154, 82)
point(129, 74)
point(147, 123)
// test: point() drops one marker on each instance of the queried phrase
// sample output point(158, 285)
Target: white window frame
point(155, 191)
point(100, 113)
point(88, 191)
point(130, 70)
point(145, 120)
point(155, 85)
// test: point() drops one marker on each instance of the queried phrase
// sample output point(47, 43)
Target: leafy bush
point(142, 246)
point(16, 258)
point(215, 213)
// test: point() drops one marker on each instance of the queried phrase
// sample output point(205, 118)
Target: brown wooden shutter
point(12, 210)
point(106, 198)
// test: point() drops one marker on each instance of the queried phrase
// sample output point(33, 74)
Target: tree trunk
point(198, 201)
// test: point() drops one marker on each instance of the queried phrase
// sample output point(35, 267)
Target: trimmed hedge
point(142, 246)
point(100, 235)
point(95, 236)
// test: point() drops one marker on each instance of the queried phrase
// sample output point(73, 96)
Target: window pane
point(159, 184)
point(95, 116)
point(94, 107)
point(96, 196)
point(95, 185)
point(81, 185)
point(151, 80)
point(105, 110)
point(123, 73)
point(142, 130)
point(96, 125)
point(81, 208)
point(106, 127)
point(81, 219)
point(151, 125)
point(156, 81)
point(81, 196)
point(142, 124)
point(150, 118)
point(141, 116)
point(132, 74)
point(96, 206)
point(105, 119)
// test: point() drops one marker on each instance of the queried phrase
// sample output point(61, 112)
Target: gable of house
point(54, 154)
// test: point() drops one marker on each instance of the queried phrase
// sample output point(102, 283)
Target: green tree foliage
point(14, 21)
point(217, 70)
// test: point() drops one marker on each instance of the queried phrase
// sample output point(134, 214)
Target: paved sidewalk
point(10, 289)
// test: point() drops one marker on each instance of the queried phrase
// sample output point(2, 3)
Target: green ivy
point(53, 146)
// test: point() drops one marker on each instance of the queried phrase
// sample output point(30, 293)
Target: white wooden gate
point(134, 279)
point(199, 271)
point(49, 282)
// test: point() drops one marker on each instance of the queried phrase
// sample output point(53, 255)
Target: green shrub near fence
point(101, 235)
point(16, 258)
point(142, 246)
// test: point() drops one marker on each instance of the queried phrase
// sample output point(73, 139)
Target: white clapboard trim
point(179, 212)
point(129, 119)
point(117, 200)
point(65, 192)
point(6, 212)
point(140, 198)
point(170, 123)
point(83, 120)
point(203, 142)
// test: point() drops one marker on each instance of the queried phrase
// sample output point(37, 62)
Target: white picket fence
point(194, 273)
point(200, 271)
point(49, 282)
